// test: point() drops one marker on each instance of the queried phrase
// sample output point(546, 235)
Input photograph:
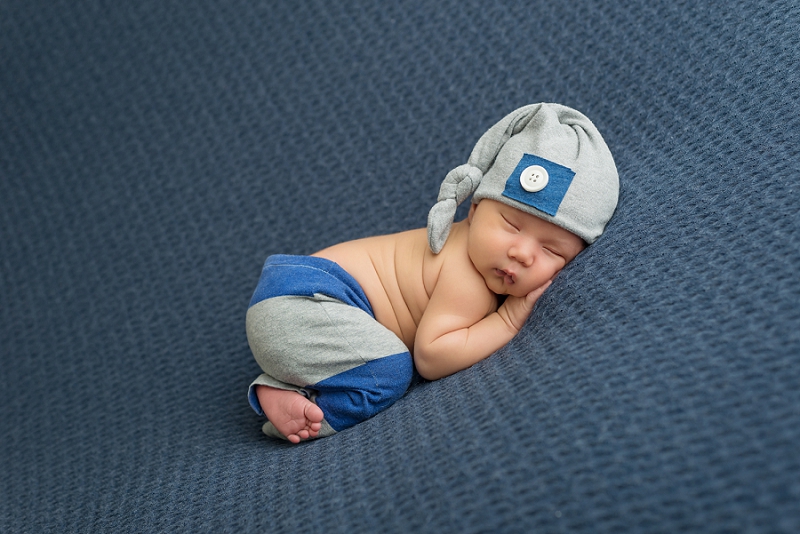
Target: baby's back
point(397, 272)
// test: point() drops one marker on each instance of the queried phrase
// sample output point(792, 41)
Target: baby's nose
point(524, 254)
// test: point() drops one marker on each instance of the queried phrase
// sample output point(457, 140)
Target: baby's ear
point(471, 211)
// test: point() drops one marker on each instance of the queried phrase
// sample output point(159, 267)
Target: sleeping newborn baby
point(339, 333)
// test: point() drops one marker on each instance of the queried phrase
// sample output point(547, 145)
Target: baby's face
point(514, 251)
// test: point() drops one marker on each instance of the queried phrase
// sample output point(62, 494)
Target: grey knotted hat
point(544, 159)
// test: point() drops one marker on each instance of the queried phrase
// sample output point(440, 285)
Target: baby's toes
point(313, 414)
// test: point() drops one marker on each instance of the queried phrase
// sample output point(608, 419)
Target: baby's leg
point(351, 365)
point(291, 413)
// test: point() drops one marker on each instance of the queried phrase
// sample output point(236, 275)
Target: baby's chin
point(519, 291)
point(513, 291)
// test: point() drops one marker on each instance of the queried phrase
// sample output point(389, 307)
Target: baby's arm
point(460, 327)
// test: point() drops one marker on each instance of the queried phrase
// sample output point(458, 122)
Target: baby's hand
point(515, 310)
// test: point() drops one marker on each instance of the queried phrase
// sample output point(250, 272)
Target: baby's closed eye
point(554, 251)
point(510, 224)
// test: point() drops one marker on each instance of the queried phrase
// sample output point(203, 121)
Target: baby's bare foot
point(291, 413)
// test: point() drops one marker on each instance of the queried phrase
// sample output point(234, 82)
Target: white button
point(534, 178)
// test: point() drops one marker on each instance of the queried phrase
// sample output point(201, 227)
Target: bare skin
point(444, 306)
point(292, 414)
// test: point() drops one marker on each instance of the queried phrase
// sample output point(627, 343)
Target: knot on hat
point(458, 185)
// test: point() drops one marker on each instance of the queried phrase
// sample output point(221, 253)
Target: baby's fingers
point(533, 296)
point(515, 310)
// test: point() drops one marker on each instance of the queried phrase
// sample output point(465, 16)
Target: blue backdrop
point(153, 153)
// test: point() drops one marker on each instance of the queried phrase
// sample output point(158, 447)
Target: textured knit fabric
point(153, 153)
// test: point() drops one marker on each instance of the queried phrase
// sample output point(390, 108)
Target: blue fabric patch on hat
point(548, 199)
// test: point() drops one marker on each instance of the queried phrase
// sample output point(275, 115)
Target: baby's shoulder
point(459, 281)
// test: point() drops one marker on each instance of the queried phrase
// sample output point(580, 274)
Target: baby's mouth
point(507, 277)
